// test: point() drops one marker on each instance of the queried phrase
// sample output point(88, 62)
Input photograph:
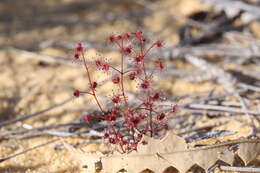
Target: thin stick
point(45, 58)
point(239, 169)
point(44, 133)
point(220, 108)
point(90, 82)
point(25, 117)
point(195, 100)
point(208, 127)
point(248, 116)
point(249, 87)
point(27, 150)
point(21, 131)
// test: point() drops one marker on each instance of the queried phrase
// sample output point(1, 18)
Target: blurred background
point(208, 44)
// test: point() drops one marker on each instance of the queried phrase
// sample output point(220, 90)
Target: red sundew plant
point(127, 120)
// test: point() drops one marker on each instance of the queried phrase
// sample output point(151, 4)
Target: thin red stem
point(149, 109)
point(122, 76)
point(115, 69)
point(85, 92)
point(151, 120)
point(142, 54)
point(89, 79)
point(148, 50)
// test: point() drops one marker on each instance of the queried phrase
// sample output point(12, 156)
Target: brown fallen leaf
point(159, 154)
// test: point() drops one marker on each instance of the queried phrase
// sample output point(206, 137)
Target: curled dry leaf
point(159, 154)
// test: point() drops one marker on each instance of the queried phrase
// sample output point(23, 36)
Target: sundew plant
point(149, 116)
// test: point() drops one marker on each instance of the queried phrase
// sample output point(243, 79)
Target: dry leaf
point(159, 154)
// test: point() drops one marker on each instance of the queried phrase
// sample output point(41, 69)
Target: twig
point(89, 132)
point(4, 134)
point(210, 134)
point(249, 87)
point(232, 7)
point(246, 112)
point(25, 117)
point(239, 169)
point(219, 108)
point(70, 45)
point(44, 133)
point(207, 99)
point(27, 150)
point(46, 58)
point(21, 131)
point(196, 129)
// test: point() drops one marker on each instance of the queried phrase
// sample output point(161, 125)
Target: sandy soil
point(29, 84)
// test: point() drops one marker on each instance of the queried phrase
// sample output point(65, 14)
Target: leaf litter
point(171, 151)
